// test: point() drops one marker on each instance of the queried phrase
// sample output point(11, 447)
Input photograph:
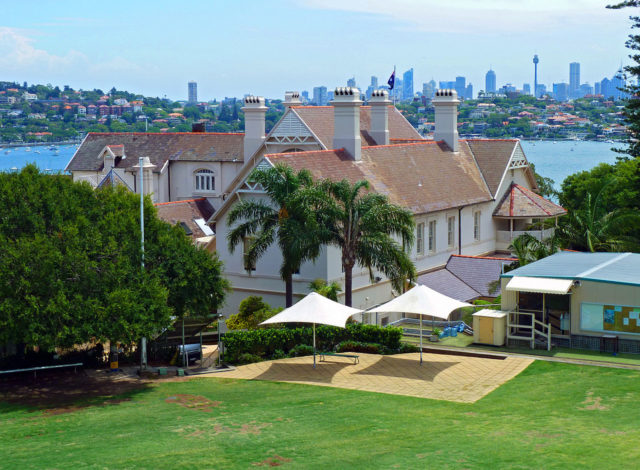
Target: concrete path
point(462, 379)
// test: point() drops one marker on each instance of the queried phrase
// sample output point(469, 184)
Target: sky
point(234, 47)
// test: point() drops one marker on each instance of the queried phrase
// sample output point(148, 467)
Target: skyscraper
point(351, 82)
point(192, 92)
point(374, 82)
point(574, 78)
point(407, 85)
point(320, 95)
point(561, 91)
point(526, 89)
point(535, 75)
point(460, 86)
point(428, 89)
point(490, 82)
point(468, 92)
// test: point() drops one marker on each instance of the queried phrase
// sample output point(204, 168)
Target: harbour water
point(553, 160)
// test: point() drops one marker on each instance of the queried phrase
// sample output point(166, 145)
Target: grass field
point(550, 416)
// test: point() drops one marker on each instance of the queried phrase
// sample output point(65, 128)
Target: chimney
point(254, 115)
point(446, 105)
point(147, 177)
point(379, 102)
point(291, 98)
point(198, 127)
point(346, 120)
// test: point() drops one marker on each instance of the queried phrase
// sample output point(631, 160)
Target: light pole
point(143, 341)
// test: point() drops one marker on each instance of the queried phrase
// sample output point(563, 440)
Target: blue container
point(454, 331)
point(461, 327)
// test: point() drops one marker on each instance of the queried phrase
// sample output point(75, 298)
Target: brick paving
point(463, 379)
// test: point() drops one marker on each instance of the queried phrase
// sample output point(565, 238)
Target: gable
point(290, 126)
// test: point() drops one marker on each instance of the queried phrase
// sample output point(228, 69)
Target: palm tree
point(328, 290)
point(592, 228)
point(362, 225)
point(528, 249)
point(286, 217)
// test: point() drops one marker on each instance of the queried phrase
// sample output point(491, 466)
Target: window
point(420, 238)
point(476, 225)
point(432, 236)
point(205, 181)
point(451, 231)
point(246, 243)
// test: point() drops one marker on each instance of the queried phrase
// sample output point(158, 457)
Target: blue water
point(555, 161)
point(19, 157)
point(559, 160)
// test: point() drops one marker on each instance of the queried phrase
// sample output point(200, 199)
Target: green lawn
point(550, 416)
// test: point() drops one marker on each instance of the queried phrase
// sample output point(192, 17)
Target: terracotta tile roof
point(522, 202)
point(186, 211)
point(159, 147)
point(492, 156)
point(320, 120)
point(423, 177)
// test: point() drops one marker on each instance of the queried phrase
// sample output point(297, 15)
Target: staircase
point(524, 326)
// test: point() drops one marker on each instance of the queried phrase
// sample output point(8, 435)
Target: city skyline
point(167, 46)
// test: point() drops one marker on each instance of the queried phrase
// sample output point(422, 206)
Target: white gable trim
point(516, 162)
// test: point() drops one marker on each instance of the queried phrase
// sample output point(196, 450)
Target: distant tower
point(574, 78)
point(490, 82)
point(535, 75)
point(192, 92)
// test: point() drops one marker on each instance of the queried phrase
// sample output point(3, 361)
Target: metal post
point(219, 344)
point(314, 345)
point(420, 339)
point(185, 358)
point(143, 345)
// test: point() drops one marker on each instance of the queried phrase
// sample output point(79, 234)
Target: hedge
point(265, 342)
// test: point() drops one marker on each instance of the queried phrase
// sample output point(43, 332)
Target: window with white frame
point(420, 238)
point(205, 181)
point(432, 236)
point(451, 231)
point(476, 225)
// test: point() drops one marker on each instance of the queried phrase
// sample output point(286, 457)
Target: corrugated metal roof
point(619, 268)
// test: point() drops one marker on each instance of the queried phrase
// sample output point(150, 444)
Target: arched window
point(205, 181)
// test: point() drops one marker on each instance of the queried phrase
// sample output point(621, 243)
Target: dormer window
point(205, 181)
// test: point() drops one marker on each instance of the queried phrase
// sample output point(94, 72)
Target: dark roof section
point(478, 272)
point(186, 212)
point(447, 283)
point(320, 120)
point(159, 147)
point(522, 202)
point(467, 277)
point(422, 177)
point(492, 156)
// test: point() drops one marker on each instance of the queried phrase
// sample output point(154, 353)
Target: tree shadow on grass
point(66, 392)
point(407, 368)
point(288, 372)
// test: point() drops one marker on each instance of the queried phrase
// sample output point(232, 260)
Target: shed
point(489, 327)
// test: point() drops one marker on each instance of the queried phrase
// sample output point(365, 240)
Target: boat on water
point(7, 152)
point(37, 151)
point(53, 147)
point(28, 149)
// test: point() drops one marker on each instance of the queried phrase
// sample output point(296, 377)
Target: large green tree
point(632, 105)
point(70, 265)
point(286, 217)
point(363, 225)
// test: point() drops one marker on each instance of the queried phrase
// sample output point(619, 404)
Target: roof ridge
point(490, 140)
point(525, 192)
point(484, 257)
point(164, 133)
point(598, 267)
point(306, 151)
point(179, 202)
point(402, 145)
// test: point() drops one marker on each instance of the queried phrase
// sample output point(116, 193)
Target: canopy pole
point(420, 339)
point(314, 345)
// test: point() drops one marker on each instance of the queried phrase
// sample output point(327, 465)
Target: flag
point(392, 79)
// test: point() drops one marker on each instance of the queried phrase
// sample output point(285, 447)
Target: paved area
point(462, 379)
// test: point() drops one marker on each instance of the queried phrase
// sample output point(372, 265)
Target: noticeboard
point(613, 318)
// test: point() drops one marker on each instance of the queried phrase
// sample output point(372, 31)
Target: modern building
point(597, 88)
point(526, 89)
point(561, 91)
point(574, 79)
point(429, 89)
point(577, 300)
point(407, 85)
point(468, 92)
point(319, 96)
point(460, 86)
point(351, 82)
point(192, 88)
point(535, 75)
point(541, 90)
point(490, 82)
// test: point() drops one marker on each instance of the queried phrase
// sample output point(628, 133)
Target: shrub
point(301, 350)
point(278, 354)
point(356, 346)
point(247, 358)
point(251, 312)
point(408, 348)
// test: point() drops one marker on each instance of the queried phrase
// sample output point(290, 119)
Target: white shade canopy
point(422, 300)
point(315, 308)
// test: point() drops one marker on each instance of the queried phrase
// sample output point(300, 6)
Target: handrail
point(543, 329)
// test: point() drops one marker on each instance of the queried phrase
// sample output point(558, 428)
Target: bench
point(356, 358)
point(41, 368)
